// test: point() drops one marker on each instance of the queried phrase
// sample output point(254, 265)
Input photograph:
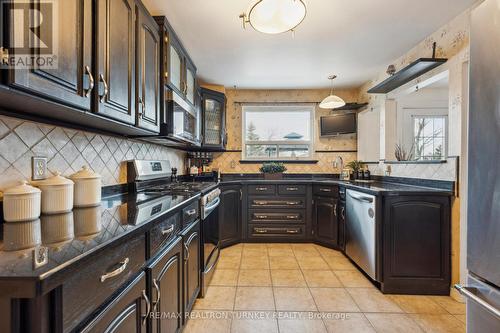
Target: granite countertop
point(71, 237)
point(374, 187)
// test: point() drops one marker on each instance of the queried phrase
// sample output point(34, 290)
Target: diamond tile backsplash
point(67, 150)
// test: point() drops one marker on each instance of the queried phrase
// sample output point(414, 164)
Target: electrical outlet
point(38, 167)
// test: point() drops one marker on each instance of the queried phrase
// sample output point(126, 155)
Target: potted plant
point(355, 166)
point(273, 170)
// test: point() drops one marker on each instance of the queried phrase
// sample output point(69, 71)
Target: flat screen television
point(338, 124)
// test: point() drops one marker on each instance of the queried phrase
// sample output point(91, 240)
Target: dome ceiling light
point(275, 16)
point(332, 101)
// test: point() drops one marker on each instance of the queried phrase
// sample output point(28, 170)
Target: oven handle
point(216, 259)
point(208, 209)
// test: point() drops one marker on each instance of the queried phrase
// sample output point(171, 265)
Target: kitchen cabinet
point(71, 81)
point(115, 60)
point(214, 135)
point(230, 215)
point(191, 266)
point(128, 312)
point(416, 245)
point(165, 275)
point(325, 220)
point(148, 69)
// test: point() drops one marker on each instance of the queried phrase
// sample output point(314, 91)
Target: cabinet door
point(70, 80)
point(176, 66)
point(190, 83)
point(214, 105)
point(325, 220)
point(116, 60)
point(230, 215)
point(192, 265)
point(127, 313)
point(148, 69)
point(166, 289)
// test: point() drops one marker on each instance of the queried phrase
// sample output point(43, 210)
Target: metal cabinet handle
point(106, 88)
point(187, 243)
point(168, 230)
point(186, 251)
point(143, 106)
point(260, 230)
point(260, 203)
point(325, 189)
point(292, 203)
point(91, 81)
point(342, 213)
point(335, 210)
point(148, 307)
point(292, 188)
point(118, 271)
point(191, 212)
point(292, 231)
point(469, 293)
point(261, 188)
point(261, 216)
point(292, 217)
point(158, 294)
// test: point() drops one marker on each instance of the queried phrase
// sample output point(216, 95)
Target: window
point(429, 133)
point(277, 132)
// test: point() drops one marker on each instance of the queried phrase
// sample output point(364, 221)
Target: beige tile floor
point(281, 288)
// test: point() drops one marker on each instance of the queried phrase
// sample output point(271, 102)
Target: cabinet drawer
point(257, 202)
point(93, 282)
point(190, 213)
point(263, 231)
point(262, 189)
point(297, 216)
point(326, 190)
point(163, 232)
point(292, 189)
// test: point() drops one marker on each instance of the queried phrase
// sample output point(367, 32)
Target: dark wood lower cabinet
point(165, 285)
point(416, 245)
point(325, 220)
point(230, 215)
point(127, 313)
point(192, 266)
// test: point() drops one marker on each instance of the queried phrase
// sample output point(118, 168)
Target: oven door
point(211, 245)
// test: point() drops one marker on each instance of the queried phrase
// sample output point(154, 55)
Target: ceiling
point(354, 39)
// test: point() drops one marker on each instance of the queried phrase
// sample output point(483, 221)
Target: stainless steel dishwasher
point(360, 230)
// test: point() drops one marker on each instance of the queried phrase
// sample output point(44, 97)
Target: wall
point(68, 150)
point(229, 162)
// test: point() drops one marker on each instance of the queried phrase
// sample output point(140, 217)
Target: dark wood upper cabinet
point(115, 60)
point(126, 313)
point(166, 289)
point(214, 134)
point(230, 214)
point(325, 220)
point(70, 82)
point(148, 69)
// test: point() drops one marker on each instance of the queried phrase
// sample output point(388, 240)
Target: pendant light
point(275, 16)
point(332, 101)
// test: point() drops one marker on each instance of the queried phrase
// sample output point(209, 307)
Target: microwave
point(181, 120)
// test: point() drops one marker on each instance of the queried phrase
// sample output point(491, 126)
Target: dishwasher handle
point(362, 198)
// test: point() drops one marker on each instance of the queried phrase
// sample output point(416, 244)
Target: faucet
point(339, 160)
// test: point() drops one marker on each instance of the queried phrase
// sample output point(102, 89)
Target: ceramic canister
point(21, 203)
point(57, 194)
point(87, 190)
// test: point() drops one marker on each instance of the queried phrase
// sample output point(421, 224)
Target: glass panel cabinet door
point(213, 122)
point(190, 86)
point(175, 68)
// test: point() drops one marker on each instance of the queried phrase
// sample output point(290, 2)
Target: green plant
point(272, 167)
point(355, 166)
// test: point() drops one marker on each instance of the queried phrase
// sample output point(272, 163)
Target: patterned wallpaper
point(229, 162)
point(67, 150)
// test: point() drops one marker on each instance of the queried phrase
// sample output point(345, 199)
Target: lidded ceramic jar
point(21, 203)
point(57, 194)
point(87, 191)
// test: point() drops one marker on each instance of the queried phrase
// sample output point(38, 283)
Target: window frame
point(278, 108)
point(444, 136)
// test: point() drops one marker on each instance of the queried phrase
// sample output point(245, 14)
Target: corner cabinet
point(115, 60)
point(416, 245)
point(230, 215)
point(214, 135)
point(148, 69)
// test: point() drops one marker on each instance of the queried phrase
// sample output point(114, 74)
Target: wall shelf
point(351, 107)
point(410, 72)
